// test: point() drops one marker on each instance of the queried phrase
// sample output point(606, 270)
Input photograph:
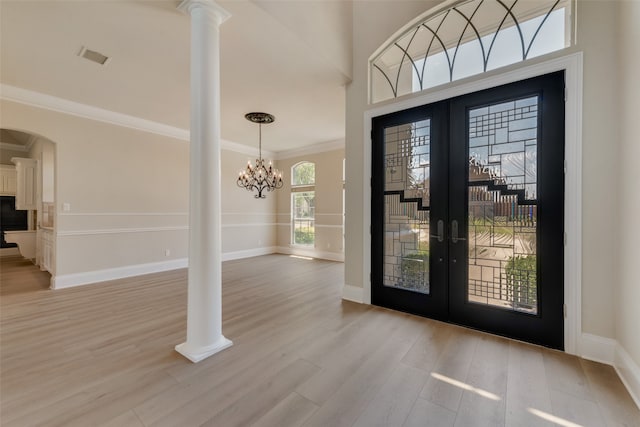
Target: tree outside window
point(303, 203)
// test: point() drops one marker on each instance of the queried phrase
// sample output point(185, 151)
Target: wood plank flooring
point(103, 355)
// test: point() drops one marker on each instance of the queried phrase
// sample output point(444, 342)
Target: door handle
point(454, 232)
point(440, 230)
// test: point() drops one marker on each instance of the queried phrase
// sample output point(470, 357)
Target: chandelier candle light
point(260, 177)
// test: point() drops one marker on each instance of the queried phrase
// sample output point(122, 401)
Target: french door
point(468, 210)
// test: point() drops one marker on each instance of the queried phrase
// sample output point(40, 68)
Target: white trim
point(597, 348)
point(248, 253)
point(572, 64)
point(201, 353)
point(154, 229)
point(96, 276)
point(311, 253)
point(352, 293)
point(120, 230)
point(311, 149)
point(88, 277)
point(316, 225)
point(251, 224)
point(65, 106)
point(123, 213)
point(610, 352)
point(629, 372)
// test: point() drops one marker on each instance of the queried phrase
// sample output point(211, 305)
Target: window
point(303, 203)
point(468, 38)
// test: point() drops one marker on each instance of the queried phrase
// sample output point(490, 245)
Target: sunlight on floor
point(301, 257)
point(552, 418)
point(465, 386)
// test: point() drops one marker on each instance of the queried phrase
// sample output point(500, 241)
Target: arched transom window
point(467, 38)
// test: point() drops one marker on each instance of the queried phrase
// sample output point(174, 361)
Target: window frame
point(297, 189)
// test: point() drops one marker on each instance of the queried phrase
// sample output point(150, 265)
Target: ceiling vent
point(94, 56)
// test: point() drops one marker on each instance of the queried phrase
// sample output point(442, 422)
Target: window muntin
point(303, 215)
point(465, 39)
point(303, 179)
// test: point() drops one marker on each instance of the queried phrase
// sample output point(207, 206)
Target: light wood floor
point(103, 355)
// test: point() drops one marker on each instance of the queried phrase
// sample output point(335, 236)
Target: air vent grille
point(94, 56)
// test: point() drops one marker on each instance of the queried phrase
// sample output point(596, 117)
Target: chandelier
point(260, 177)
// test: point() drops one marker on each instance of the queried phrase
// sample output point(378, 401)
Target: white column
point(204, 312)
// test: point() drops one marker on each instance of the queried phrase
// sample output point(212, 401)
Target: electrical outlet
point(66, 207)
point(167, 252)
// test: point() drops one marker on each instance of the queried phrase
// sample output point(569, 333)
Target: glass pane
point(304, 174)
point(406, 210)
point(481, 34)
point(503, 206)
point(304, 218)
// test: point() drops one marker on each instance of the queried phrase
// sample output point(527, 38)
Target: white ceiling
point(289, 58)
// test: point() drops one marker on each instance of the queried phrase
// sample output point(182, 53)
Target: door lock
point(440, 231)
point(454, 232)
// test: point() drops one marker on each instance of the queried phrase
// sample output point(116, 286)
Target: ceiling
point(288, 58)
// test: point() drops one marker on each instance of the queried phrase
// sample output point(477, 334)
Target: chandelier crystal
point(260, 177)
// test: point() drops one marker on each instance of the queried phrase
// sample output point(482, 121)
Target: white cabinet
point(26, 191)
point(8, 180)
point(46, 262)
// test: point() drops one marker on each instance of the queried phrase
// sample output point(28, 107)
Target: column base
point(200, 353)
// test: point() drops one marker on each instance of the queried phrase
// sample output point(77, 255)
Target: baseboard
point(85, 278)
point(311, 252)
point(352, 293)
point(629, 372)
point(229, 256)
point(610, 352)
point(597, 348)
point(89, 277)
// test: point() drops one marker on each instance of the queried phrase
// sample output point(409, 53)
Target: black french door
point(468, 210)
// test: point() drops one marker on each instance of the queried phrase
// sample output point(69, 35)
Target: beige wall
point(128, 193)
point(374, 22)
point(328, 212)
point(247, 222)
point(628, 295)
point(44, 151)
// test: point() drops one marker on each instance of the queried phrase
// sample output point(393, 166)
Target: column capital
point(212, 7)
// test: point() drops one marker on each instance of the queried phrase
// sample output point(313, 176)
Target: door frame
point(572, 65)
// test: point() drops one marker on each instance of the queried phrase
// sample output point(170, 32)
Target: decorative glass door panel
point(467, 210)
point(502, 205)
point(406, 206)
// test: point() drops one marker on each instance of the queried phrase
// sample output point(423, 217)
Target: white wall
point(374, 22)
point(128, 193)
point(628, 252)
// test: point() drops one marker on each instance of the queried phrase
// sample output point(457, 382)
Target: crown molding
point(65, 106)
point(310, 149)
